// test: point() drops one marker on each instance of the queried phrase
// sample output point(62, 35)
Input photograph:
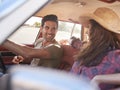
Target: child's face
point(77, 44)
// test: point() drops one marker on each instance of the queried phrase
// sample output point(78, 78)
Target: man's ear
point(40, 34)
point(56, 31)
point(41, 28)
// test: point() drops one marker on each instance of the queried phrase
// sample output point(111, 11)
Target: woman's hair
point(117, 39)
point(100, 42)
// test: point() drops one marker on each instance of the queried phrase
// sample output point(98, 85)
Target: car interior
point(66, 10)
point(72, 10)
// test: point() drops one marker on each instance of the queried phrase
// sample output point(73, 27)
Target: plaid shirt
point(110, 64)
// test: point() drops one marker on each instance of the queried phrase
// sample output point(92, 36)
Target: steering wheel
point(2, 65)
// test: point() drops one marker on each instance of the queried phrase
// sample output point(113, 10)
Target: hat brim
point(84, 20)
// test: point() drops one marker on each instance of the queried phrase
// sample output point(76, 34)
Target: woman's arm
point(108, 78)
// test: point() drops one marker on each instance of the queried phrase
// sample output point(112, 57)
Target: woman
point(101, 56)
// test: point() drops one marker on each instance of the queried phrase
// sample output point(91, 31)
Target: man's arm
point(25, 51)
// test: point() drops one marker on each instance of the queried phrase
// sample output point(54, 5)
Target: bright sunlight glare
point(32, 20)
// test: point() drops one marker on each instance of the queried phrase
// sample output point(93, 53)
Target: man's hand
point(17, 59)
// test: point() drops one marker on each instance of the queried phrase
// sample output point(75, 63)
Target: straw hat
point(105, 16)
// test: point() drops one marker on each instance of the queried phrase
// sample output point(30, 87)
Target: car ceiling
point(70, 10)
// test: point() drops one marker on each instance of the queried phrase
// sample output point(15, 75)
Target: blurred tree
point(37, 24)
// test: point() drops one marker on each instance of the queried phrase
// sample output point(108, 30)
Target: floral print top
point(110, 64)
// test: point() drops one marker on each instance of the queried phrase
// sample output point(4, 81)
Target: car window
point(25, 35)
point(66, 30)
point(28, 32)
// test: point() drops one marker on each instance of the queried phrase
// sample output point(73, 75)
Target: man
point(47, 52)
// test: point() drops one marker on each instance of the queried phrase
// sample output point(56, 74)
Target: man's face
point(49, 30)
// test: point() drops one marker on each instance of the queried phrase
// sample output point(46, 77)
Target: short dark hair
point(50, 17)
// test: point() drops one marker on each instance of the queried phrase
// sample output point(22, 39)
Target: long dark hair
point(101, 41)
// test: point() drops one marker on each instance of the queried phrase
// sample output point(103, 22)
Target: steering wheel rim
point(2, 65)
